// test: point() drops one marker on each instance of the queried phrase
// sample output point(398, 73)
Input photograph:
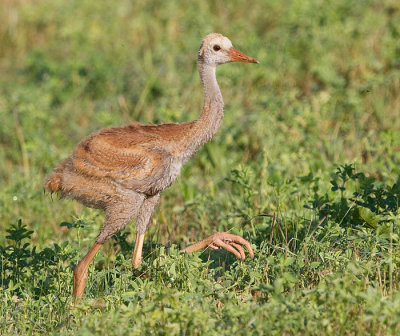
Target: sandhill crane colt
point(123, 170)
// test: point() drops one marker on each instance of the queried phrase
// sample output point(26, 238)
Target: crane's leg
point(117, 216)
point(137, 251)
point(81, 271)
point(142, 220)
point(227, 241)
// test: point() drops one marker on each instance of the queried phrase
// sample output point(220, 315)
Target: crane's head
point(216, 49)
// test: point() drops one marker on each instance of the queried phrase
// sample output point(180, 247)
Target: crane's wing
point(133, 156)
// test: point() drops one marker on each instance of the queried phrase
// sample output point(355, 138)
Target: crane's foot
point(227, 241)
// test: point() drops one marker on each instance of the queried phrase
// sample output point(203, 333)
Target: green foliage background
point(305, 166)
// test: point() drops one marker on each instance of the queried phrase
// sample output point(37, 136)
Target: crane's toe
point(240, 249)
point(233, 243)
point(228, 247)
point(227, 241)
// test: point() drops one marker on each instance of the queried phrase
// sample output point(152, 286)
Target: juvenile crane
point(123, 170)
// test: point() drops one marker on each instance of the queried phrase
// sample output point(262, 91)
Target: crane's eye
point(216, 47)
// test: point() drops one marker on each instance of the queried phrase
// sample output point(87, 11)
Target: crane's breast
point(174, 170)
point(165, 175)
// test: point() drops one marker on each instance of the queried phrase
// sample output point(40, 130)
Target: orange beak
point(237, 56)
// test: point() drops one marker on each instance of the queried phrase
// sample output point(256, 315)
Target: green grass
point(306, 166)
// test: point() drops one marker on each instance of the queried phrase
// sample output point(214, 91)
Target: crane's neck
point(210, 118)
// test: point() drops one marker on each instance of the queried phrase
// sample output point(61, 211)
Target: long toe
point(227, 247)
point(230, 242)
point(240, 249)
point(229, 237)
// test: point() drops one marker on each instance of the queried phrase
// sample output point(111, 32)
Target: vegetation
point(306, 166)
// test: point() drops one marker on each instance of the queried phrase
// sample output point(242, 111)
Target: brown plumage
point(123, 170)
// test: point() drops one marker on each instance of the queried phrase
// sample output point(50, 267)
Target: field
point(306, 166)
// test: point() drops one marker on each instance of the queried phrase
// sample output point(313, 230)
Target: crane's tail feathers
point(53, 183)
